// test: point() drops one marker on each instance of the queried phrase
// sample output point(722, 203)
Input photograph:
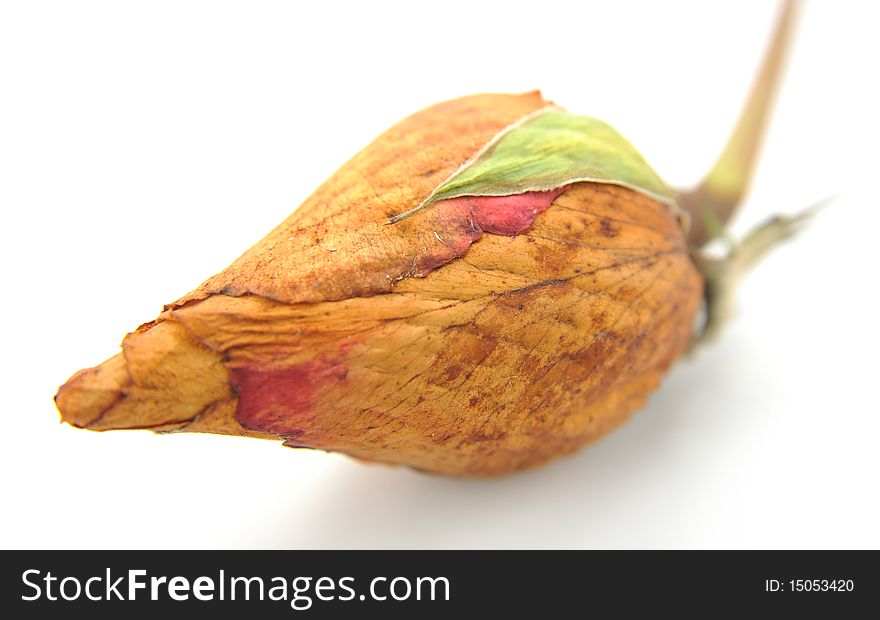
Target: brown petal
point(520, 350)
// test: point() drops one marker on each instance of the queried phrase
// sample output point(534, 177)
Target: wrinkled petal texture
point(535, 324)
point(349, 213)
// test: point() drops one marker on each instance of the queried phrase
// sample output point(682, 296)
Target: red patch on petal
point(509, 215)
point(282, 400)
point(470, 216)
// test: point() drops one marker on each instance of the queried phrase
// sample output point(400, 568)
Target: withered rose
point(492, 283)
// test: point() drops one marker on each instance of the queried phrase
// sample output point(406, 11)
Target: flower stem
point(715, 200)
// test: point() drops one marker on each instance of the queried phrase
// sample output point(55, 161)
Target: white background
point(143, 146)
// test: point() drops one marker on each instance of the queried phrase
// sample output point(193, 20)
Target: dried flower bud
point(533, 288)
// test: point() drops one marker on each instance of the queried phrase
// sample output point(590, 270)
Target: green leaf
point(548, 150)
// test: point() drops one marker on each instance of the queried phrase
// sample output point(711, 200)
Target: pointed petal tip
point(84, 399)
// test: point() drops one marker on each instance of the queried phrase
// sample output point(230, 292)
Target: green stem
point(716, 198)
